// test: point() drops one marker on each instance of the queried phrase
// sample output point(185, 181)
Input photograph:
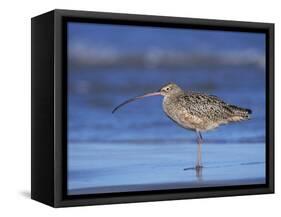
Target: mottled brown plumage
point(199, 111)
point(196, 111)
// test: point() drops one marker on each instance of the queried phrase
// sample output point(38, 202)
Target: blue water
point(138, 147)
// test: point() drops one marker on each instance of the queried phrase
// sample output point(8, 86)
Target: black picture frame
point(49, 110)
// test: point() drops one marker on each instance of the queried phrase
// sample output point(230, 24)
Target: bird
point(195, 111)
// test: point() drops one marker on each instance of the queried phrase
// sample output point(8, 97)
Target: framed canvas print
point(131, 108)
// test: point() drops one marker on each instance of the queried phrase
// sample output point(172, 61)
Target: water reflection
point(199, 173)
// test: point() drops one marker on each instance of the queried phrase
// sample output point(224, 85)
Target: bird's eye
point(167, 88)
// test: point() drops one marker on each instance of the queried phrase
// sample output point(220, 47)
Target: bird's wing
point(205, 106)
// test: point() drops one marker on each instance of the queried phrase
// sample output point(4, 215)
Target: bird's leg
point(199, 151)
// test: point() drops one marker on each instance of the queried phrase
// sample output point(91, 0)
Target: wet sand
point(102, 168)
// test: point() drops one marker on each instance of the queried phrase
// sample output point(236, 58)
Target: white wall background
point(15, 106)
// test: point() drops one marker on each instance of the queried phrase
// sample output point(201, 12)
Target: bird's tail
point(239, 114)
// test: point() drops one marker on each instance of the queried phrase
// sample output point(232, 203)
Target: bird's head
point(170, 89)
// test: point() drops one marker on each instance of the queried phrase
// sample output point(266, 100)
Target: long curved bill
point(135, 98)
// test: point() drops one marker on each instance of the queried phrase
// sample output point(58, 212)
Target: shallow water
point(96, 166)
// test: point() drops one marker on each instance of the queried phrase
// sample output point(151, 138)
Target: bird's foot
point(189, 168)
point(197, 167)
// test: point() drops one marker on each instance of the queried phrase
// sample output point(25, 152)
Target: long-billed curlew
point(196, 111)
